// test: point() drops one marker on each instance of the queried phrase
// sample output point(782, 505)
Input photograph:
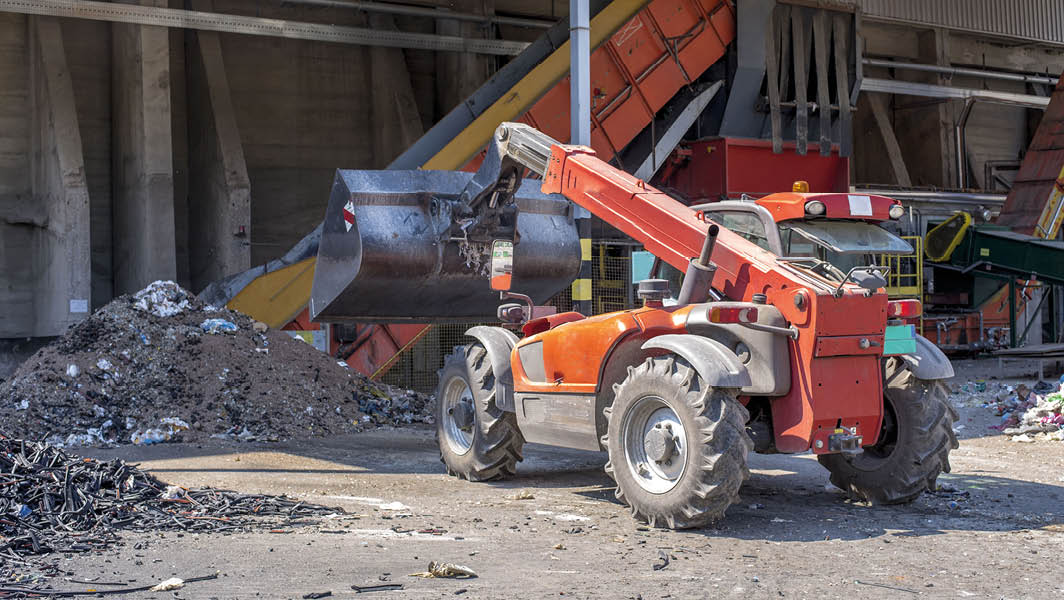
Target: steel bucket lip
point(381, 270)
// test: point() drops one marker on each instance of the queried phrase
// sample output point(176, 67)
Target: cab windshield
point(842, 244)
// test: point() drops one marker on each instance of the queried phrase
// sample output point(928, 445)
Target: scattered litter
point(522, 495)
point(73, 370)
point(173, 583)
point(559, 546)
point(260, 327)
point(442, 569)
point(757, 506)
point(40, 592)
point(880, 585)
point(24, 405)
point(663, 560)
point(317, 595)
point(218, 326)
point(104, 365)
point(381, 587)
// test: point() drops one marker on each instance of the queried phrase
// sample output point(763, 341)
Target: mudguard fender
point(499, 343)
point(713, 361)
point(928, 362)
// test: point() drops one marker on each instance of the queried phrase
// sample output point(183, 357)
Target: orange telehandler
point(768, 345)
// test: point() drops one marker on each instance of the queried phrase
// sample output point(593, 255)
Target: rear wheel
point(913, 446)
point(677, 446)
point(477, 440)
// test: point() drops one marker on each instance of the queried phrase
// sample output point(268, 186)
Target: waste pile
point(55, 502)
point(161, 365)
point(1029, 414)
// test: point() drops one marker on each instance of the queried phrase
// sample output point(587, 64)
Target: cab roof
point(786, 206)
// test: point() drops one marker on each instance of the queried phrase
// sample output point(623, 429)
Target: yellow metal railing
point(906, 276)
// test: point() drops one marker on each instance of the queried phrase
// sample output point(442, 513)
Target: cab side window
point(748, 225)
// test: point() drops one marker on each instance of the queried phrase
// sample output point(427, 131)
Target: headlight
point(897, 211)
point(815, 208)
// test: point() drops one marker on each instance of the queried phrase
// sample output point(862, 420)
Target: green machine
point(993, 256)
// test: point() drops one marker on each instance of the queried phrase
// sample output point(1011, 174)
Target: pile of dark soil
point(161, 365)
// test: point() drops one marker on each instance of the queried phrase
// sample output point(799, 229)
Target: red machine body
point(835, 360)
point(721, 168)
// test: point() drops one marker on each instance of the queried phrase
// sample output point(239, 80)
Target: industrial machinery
point(760, 352)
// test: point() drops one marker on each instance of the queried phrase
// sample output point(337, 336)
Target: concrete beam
point(886, 130)
point(62, 258)
point(219, 187)
point(396, 120)
point(143, 178)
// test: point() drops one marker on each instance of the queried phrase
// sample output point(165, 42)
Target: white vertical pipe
point(580, 72)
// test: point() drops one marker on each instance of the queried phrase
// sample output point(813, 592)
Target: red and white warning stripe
point(349, 214)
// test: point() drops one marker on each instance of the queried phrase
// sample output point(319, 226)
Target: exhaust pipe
point(699, 277)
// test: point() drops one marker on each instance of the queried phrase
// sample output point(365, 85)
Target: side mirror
point(502, 265)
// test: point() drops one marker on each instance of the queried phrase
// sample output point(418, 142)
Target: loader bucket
point(382, 259)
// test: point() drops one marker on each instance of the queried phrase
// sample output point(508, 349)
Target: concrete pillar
point(143, 177)
point(396, 121)
point(460, 74)
point(219, 188)
point(62, 255)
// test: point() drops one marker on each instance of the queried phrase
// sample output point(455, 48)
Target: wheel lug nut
point(642, 468)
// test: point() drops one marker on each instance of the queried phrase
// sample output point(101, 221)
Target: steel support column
point(580, 133)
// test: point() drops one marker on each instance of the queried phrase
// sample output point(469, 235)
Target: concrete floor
point(789, 537)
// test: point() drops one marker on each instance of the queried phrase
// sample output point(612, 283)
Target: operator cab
point(839, 234)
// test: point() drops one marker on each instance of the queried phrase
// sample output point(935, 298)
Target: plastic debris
point(663, 560)
point(24, 405)
point(522, 495)
point(104, 365)
point(442, 569)
point(173, 583)
point(73, 371)
point(173, 492)
point(162, 299)
point(218, 326)
point(171, 427)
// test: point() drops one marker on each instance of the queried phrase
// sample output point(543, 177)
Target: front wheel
point(913, 446)
point(478, 441)
point(677, 446)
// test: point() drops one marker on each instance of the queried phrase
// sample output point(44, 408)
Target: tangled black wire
point(53, 501)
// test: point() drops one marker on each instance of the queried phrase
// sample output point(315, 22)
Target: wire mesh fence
point(611, 290)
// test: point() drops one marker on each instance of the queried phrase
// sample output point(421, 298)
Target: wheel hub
point(660, 443)
point(462, 413)
point(655, 444)
point(460, 416)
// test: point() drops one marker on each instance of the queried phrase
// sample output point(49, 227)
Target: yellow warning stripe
point(581, 290)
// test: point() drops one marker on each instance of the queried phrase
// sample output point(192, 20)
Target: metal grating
point(1033, 20)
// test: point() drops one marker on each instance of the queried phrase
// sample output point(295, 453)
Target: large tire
point(913, 446)
point(484, 443)
point(707, 454)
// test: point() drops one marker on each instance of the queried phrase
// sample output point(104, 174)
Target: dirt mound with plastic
point(160, 365)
